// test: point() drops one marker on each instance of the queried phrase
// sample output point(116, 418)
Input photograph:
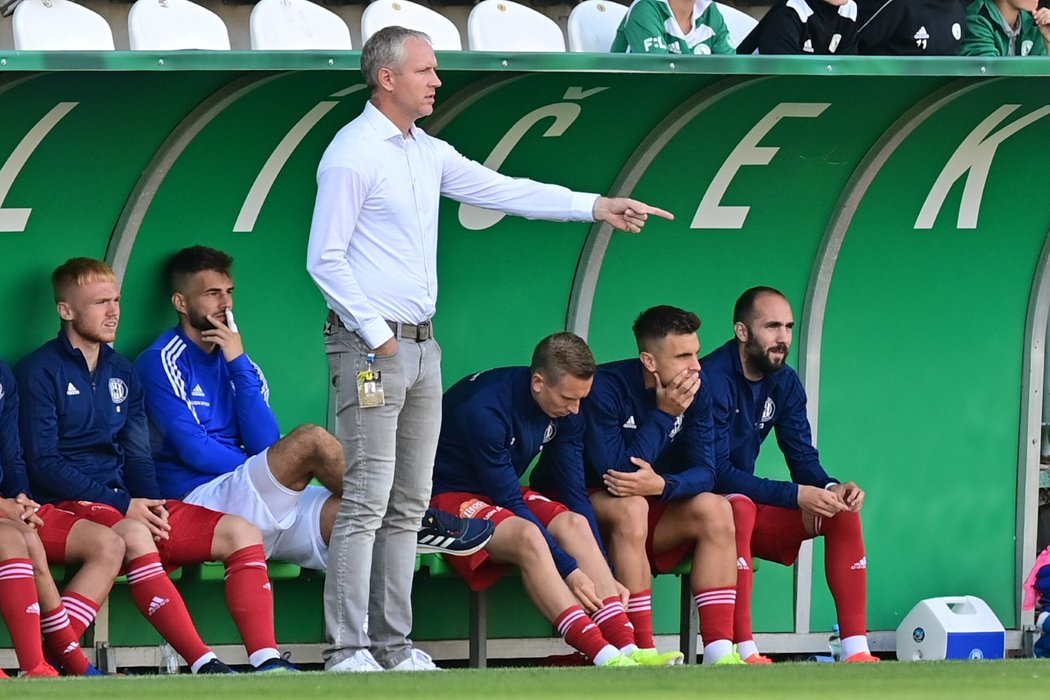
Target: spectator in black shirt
point(911, 27)
point(806, 27)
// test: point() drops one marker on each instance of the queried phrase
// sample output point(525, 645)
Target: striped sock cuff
point(12, 569)
point(715, 596)
point(54, 620)
point(607, 612)
point(640, 602)
point(567, 618)
point(141, 571)
point(79, 608)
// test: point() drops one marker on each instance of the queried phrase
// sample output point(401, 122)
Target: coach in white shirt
point(373, 254)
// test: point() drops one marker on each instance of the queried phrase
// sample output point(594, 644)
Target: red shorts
point(477, 569)
point(779, 532)
point(189, 541)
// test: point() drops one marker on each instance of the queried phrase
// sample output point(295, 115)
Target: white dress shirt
point(373, 240)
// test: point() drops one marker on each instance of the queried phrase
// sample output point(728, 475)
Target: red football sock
point(81, 611)
point(62, 642)
point(249, 597)
point(744, 512)
point(846, 568)
point(21, 611)
point(716, 612)
point(640, 613)
point(612, 621)
point(580, 631)
point(160, 602)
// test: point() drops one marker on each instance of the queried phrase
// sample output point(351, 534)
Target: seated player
point(1007, 28)
point(689, 27)
point(493, 425)
point(911, 27)
point(649, 451)
point(84, 430)
point(806, 28)
point(216, 441)
point(754, 391)
point(98, 551)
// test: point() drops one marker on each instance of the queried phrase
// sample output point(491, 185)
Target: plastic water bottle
point(169, 660)
point(835, 643)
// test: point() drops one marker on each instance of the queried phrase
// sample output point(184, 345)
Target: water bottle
point(169, 660)
point(835, 643)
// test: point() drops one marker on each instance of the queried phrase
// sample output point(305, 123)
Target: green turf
point(895, 681)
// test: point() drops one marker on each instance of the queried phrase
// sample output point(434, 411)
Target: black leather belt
point(406, 331)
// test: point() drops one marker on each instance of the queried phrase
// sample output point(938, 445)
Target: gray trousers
point(386, 489)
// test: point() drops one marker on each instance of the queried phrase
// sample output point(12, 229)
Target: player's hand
point(823, 502)
point(644, 482)
point(581, 586)
point(229, 341)
point(675, 397)
point(626, 214)
point(851, 494)
point(388, 348)
point(152, 512)
point(29, 509)
point(1042, 20)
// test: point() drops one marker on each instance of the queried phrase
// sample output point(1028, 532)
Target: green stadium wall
point(899, 204)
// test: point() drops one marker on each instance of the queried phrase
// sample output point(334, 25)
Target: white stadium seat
point(59, 25)
point(173, 25)
point(740, 23)
point(386, 13)
point(593, 25)
point(502, 25)
point(290, 25)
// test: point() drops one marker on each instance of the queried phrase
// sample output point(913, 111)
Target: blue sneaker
point(276, 665)
point(93, 670)
point(445, 533)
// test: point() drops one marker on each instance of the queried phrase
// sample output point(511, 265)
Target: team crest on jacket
point(118, 390)
point(1, 391)
point(768, 410)
point(550, 432)
point(677, 427)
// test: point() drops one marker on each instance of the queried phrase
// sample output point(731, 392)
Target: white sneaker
point(419, 660)
point(361, 661)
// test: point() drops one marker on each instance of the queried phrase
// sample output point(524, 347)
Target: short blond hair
point(76, 272)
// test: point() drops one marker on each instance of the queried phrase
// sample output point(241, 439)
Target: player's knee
point(845, 524)
point(234, 533)
point(712, 515)
point(108, 549)
point(12, 544)
point(744, 512)
point(528, 543)
point(629, 519)
point(137, 538)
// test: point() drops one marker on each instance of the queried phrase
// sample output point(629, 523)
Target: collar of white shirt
point(384, 128)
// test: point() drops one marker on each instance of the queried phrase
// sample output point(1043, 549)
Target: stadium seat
point(593, 25)
point(502, 25)
point(291, 25)
point(740, 23)
point(385, 13)
point(59, 25)
point(173, 25)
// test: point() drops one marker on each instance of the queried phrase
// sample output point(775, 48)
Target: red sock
point(250, 598)
point(580, 631)
point(81, 611)
point(744, 512)
point(716, 612)
point(160, 602)
point(62, 642)
point(21, 611)
point(612, 621)
point(640, 613)
point(846, 568)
